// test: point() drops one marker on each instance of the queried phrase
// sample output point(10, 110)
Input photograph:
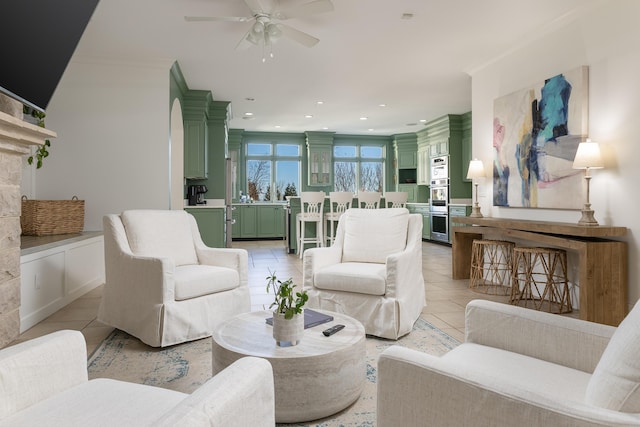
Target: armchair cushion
point(361, 278)
point(373, 234)
point(194, 281)
point(615, 383)
point(160, 234)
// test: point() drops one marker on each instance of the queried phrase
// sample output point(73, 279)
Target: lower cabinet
point(54, 277)
point(258, 221)
point(211, 225)
point(457, 212)
point(426, 220)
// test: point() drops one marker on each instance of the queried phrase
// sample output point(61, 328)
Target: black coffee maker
point(195, 194)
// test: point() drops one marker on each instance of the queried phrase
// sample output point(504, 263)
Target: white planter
point(288, 332)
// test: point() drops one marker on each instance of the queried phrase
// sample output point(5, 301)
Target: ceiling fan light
point(258, 28)
point(274, 31)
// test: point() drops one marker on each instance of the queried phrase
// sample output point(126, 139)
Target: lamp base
point(587, 216)
point(475, 212)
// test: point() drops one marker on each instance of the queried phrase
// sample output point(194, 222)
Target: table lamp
point(475, 171)
point(588, 157)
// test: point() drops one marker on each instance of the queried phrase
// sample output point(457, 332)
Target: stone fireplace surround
point(16, 139)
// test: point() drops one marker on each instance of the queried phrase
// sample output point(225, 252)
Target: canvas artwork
point(536, 132)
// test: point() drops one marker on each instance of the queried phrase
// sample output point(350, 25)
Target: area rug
point(184, 367)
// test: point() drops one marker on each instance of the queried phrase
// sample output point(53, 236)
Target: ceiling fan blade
point(298, 36)
point(311, 8)
point(258, 6)
point(218, 18)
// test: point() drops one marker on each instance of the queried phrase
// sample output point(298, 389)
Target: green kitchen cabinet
point(211, 225)
point(423, 209)
point(248, 221)
point(457, 211)
point(195, 149)
point(235, 227)
point(411, 190)
point(270, 221)
point(258, 221)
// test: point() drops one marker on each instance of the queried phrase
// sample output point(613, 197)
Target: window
point(273, 170)
point(358, 168)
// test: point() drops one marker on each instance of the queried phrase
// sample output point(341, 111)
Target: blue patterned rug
point(184, 367)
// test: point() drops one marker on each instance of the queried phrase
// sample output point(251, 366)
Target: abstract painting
point(536, 132)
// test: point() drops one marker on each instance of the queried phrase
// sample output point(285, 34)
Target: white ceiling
point(367, 56)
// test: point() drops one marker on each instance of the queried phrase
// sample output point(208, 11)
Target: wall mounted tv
point(37, 39)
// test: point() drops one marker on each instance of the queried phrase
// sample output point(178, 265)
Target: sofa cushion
point(356, 277)
point(160, 234)
point(100, 402)
point(373, 234)
point(615, 383)
point(192, 281)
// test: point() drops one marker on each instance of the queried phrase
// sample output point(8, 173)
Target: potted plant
point(288, 315)
point(42, 151)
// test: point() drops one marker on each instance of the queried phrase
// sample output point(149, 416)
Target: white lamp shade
point(588, 156)
point(476, 169)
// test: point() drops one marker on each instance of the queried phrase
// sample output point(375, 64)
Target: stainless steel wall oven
point(439, 200)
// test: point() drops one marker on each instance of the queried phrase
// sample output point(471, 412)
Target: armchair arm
point(558, 339)
point(35, 370)
point(314, 259)
point(404, 269)
point(241, 395)
point(414, 387)
point(237, 259)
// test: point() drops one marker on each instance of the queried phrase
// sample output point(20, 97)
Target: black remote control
point(332, 330)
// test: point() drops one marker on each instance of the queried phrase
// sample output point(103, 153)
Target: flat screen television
point(37, 40)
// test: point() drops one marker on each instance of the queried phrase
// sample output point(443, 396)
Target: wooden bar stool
point(491, 263)
point(540, 280)
point(339, 202)
point(311, 207)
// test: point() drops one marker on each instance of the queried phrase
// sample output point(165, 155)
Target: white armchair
point(163, 285)
point(44, 382)
point(372, 272)
point(517, 367)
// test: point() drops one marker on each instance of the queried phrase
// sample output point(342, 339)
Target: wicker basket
point(49, 217)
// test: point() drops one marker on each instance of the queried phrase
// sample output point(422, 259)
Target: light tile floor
point(446, 298)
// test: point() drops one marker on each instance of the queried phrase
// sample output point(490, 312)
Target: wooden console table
point(602, 270)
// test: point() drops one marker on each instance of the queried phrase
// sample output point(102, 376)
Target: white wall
point(112, 148)
point(605, 38)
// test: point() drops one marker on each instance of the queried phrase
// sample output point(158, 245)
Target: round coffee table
point(314, 379)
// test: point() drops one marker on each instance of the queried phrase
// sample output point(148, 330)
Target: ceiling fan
point(267, 28)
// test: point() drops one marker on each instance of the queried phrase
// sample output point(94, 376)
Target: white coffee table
point(317, 378)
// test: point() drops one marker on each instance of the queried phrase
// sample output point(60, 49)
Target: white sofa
point(163, 285)
point(372, 272)
point(517, 367)
point(43, 382)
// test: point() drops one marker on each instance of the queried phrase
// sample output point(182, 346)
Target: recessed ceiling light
point(382, 105)
point(277, 126)
point(248, 113)
point(423, 120)
point(320, 102)
point(308, 116)
point(325, 128)
point(370, 129)
point(363, 118)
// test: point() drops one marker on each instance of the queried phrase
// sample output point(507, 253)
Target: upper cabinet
point(195, 149)
point(449, 135)
point(320, 160)
point(196, 134)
